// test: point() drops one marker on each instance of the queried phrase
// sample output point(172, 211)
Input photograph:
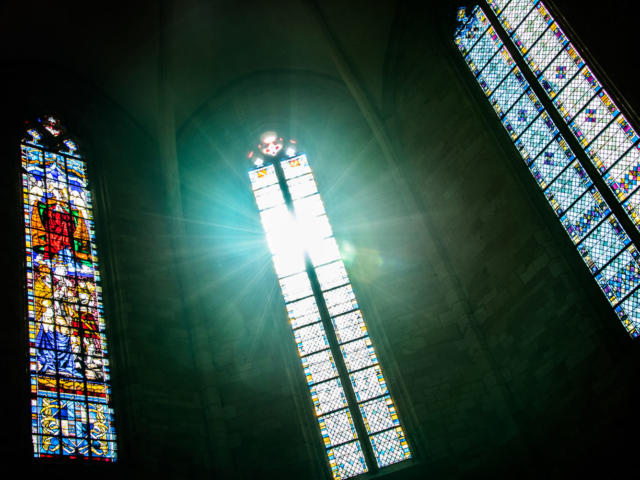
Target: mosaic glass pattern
point(347, 460)
point(598, 235)
point(508, 92)
point(545, 49)
point(536, 137)
point(390, 446)
point(483, 50)
point(601, 245)
point(585, 214)
point(71, 414)
point(523, 112)
point(598, 113)
point(605, 151)
point(514, 13)
point(629, 313)
point(603, 132)
point(621, 276)
point(566, 189)
point(561, 71)
point(576, 94)
point(301, 239)
point(379, 414)
point(337, 428)
point(551, 162)
point(470, 31)
point(531, 29)
point(496, 70)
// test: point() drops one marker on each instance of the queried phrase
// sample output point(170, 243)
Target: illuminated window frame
point(601, 240)
point(604, 133)
point(71, 413)
point(350, 396)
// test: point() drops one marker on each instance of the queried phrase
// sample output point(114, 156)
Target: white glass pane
point(332, 275)
point(340, 300)
point(269, 197)
point(295, 287)
point(302, 186)
point(337, 428)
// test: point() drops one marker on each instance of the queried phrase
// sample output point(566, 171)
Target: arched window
point(520, 39)
point(71, 414)
point(357, 417)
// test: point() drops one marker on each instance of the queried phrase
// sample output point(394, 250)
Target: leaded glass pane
point(296, 166)
point(585, 214)
point(328, 396)
point(576, 94)
point(497, 5)
point(379, 414)
point(535, 138)
point(303, 312)
point(532, 28)
point(546, 49)
point(629, 312)
point(551, 162)
point(608, 147)
point(598, 113)
point(624, 177)
point(308, 207)
point(514, 13)
point(508, 92)
point(368, 383)
point(566, 189)
point(632, 207)
point(358, 354)
point(269, 197)
point(561, 71)
point(347, 460)
point(319, 367)
point(349, 326)
point(290, 237)
point(621, 276)
point(311, 339)
point(390, 447)
point(603, 244)
point(263, 177)
point(482, 51)
point(332, 275)
point(495, 71)
point(337, 428)
point(70, 394)
point(302, 186)
point(525, 110)
point(295, 287)
point(340, 300)
point(468, 34)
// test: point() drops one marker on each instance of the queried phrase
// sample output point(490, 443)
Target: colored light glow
point(302, 230)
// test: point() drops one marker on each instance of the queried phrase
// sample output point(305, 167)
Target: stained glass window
point(71, 408)
point(592, 116)
point(356, 415)
point(595, 121)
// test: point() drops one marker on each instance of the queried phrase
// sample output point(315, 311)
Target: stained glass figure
point(341, 367)
point(70, 393)
point(595, 121)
